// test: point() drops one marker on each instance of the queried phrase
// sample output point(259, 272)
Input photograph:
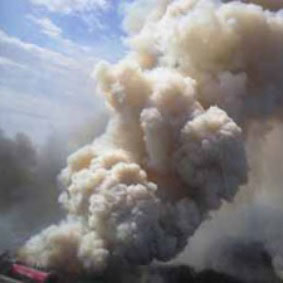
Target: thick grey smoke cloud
point(235, 239)
point(184, 101)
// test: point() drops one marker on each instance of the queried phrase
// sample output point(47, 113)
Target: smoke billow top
point(197, 77)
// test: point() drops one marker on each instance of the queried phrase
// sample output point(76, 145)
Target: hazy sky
point(48, 49)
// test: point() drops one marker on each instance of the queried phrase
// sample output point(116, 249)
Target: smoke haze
point(236, 236)
point(28, 187)
point(29, 179)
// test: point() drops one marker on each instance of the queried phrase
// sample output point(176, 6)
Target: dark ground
point(170, 274)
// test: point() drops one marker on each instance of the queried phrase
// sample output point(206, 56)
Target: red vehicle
point(14, 272)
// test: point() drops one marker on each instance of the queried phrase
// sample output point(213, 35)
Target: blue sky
point(48, 49)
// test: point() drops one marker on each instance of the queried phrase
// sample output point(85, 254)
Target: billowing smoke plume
point(198, 72)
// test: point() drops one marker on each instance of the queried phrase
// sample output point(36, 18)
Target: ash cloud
point(200, 76)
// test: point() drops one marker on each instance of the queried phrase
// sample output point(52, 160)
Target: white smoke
point(197, 72)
